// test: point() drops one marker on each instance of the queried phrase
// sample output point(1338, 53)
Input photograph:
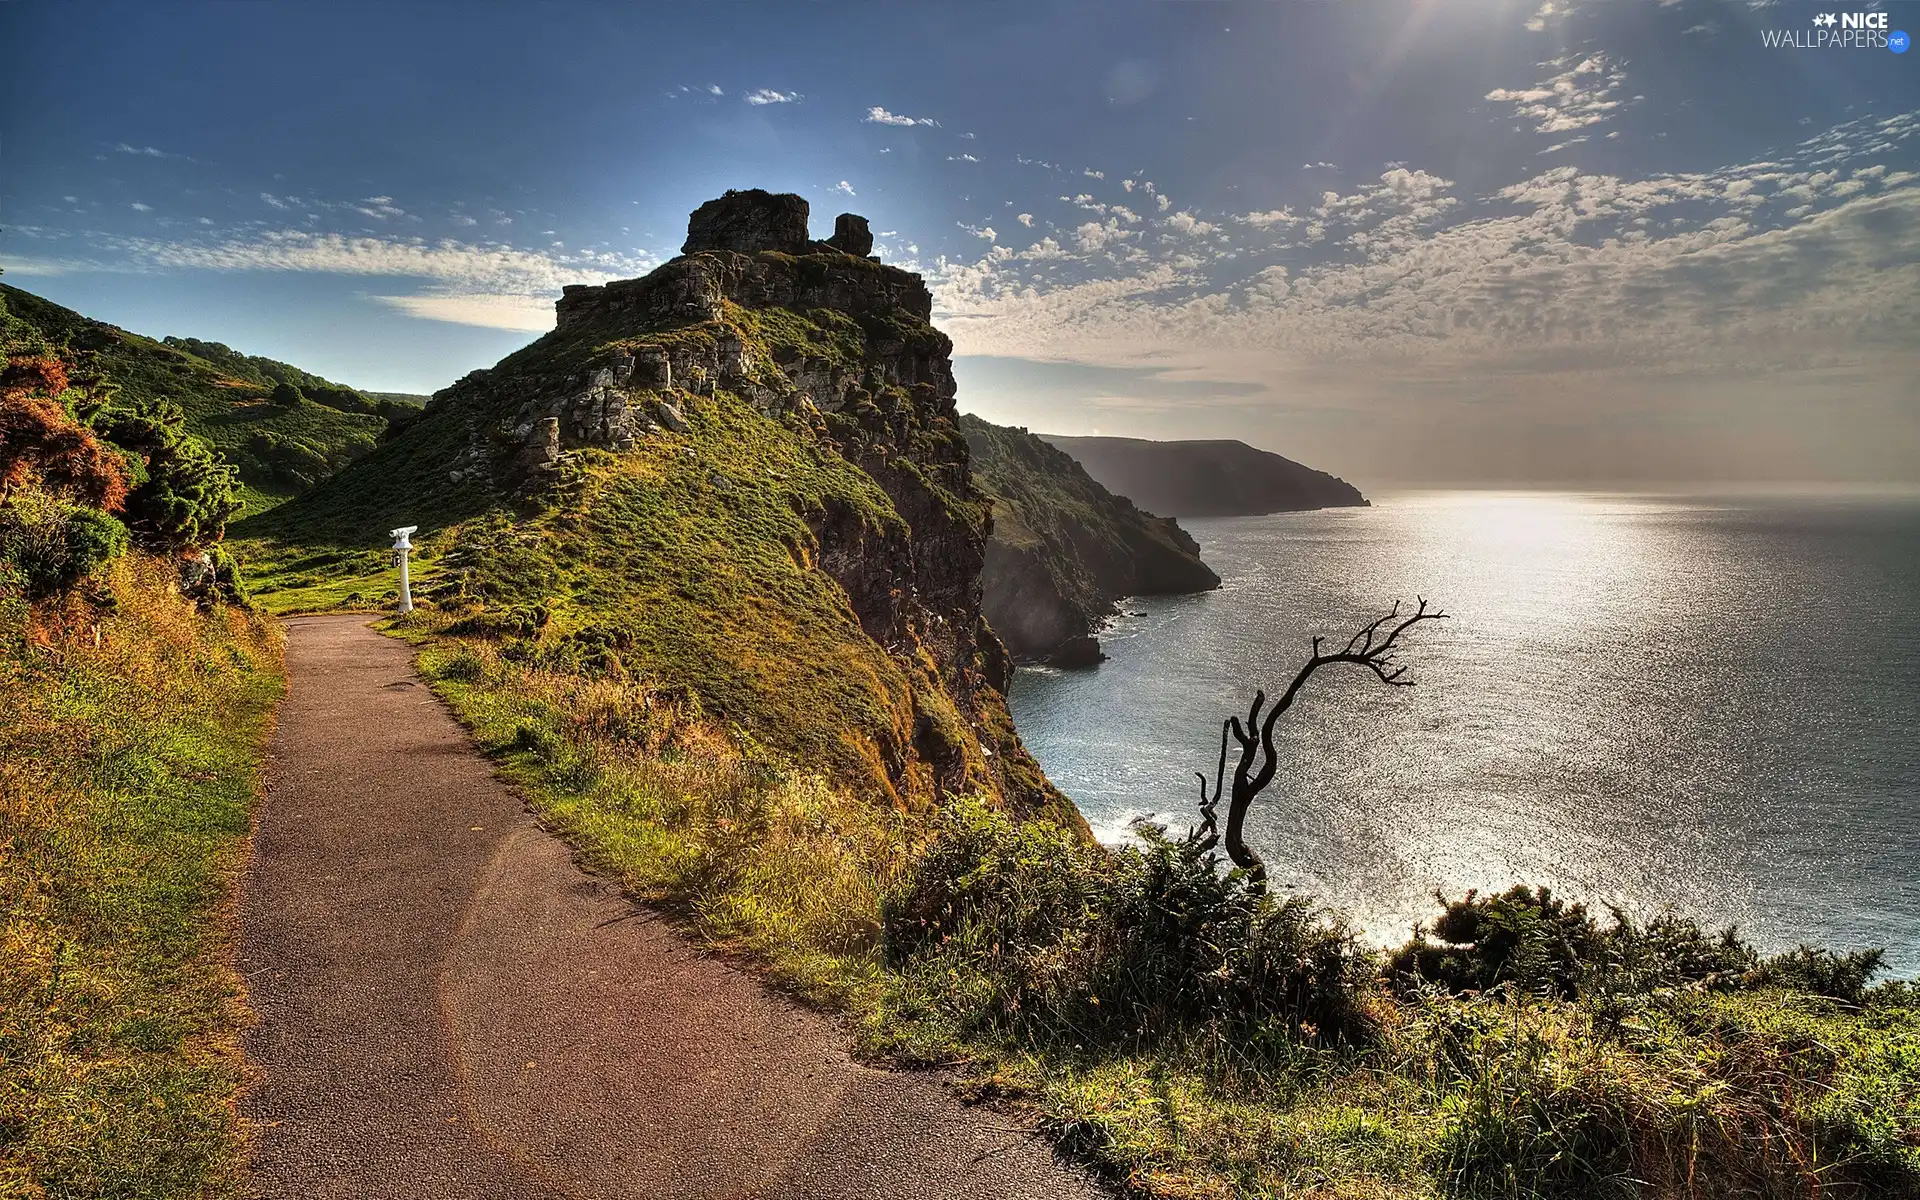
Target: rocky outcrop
point(749, 221)
point(823, 359)
point(1064, 548)
point(1206, 479)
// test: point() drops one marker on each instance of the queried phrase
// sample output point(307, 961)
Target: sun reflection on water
point(1638, 700)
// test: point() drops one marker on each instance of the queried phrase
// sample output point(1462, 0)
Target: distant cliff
point(1206, 479)
point(1064, 548)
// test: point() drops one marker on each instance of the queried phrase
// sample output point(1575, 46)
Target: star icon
point(1827, 19)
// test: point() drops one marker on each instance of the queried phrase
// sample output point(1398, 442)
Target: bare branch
point(1366, 648)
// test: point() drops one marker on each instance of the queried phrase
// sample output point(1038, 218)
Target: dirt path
point(451, 1009)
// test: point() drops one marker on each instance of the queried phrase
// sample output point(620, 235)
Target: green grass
point(127, 778)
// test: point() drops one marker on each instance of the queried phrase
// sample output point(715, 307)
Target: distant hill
point(1206, 479)
point(280, 449)
point(410, 399)
point(1063, 548)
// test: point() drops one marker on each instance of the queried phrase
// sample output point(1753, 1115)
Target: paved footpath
point(451, 1009)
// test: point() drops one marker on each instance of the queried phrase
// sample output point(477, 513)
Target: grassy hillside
point(783, 535)
point(279, 449)
point(1065, 548)
point(129, 753)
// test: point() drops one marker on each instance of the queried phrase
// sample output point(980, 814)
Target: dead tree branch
point(1369, 647)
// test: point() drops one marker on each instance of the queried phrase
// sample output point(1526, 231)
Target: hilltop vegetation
point(279, 447)
point(1064, 548)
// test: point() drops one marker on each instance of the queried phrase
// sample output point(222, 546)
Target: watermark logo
point(1841, 31)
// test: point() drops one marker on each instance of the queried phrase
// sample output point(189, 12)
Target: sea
point(1709, 704)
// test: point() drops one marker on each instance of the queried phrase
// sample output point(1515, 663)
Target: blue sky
point(1472, 241)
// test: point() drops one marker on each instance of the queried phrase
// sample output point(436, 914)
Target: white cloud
point(1583, 93)
point(144, 151)
point(1025, 219)
point(962, 158)
point(1537, 23)
point(714, 89)
point(1093, 174)
point(382, 208)
point(843, 188)
point(477, 284)
point(1262, 220)
point(139, 207)
point(1185, 222)
point(880, 116)
point(769, 96)
point(1164, 202)
point(525, 314)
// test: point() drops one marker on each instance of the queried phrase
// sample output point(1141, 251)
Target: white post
point(401, 549)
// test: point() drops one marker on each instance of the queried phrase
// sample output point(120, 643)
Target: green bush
point(1128, 946)
point(188, 494)
point(1538, 945)
point(47, 546)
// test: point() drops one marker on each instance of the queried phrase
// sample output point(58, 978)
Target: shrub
point(48, 545)
point(40, 440)
point(1539, 945)
point(1822, 972)
point(1131, 945)
point(189, 493)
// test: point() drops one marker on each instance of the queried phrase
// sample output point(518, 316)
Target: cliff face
point(1206, 479)
point(742, 474)
point(1065, 548)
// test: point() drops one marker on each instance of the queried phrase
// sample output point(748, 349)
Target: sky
point(1578, 243)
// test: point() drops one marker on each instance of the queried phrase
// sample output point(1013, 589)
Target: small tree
point(1367, 648)
point(189, 493)
point(286, 395)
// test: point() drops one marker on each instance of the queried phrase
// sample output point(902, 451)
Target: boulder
point(850, 233)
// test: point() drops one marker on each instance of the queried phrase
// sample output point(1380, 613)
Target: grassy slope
point(127, 777)
point(224, 410)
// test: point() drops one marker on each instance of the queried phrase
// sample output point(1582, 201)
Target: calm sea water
point(1708, 704)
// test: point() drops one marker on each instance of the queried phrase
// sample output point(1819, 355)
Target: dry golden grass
point(130, 743)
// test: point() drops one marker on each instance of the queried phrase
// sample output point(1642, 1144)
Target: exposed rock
point(671, 418)
point(748, 221)
point(1078, 652)
point(850, 233)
